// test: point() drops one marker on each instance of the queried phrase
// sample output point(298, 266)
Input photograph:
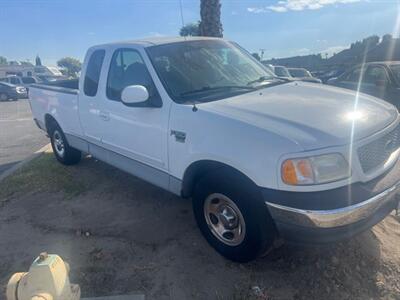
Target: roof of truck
point(154, 41)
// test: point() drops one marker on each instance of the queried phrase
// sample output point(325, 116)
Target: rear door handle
point(105, 116)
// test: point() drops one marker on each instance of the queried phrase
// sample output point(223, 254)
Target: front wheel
point(64, 153)
point(232, 216)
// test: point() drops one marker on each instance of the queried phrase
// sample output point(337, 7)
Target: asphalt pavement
point(19, 136)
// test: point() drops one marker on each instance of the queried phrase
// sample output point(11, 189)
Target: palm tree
point(210, 13)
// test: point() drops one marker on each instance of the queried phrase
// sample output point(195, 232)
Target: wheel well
point(200, 168)
point(50, 122)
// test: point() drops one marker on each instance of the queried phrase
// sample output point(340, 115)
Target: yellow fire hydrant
point(47, 279)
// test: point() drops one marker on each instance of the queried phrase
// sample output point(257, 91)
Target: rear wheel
point(3, 97)
point(232, 216)
point(64, 153)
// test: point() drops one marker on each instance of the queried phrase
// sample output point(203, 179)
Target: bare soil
point(122, 235)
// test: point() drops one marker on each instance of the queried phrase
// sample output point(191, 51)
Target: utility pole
point(262, 51)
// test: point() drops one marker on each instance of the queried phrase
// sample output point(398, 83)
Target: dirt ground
point(122, 235)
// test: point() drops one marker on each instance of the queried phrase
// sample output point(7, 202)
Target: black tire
point(260, 231)
point(3, 97)
point(64, 153)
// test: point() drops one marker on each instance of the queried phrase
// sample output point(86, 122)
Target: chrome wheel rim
point(224, 219)
point(59, 146)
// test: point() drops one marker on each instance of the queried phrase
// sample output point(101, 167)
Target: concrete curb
point(22, 163)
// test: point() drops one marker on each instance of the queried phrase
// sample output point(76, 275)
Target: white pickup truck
point(261, 157)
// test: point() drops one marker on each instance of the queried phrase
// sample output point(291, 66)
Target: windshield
point(206, 70)
point(299, 73)
point(281, 72)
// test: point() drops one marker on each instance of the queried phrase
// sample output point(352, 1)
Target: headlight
point(315, 169)
point(21, 90)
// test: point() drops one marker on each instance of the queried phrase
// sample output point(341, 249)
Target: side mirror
point(134, 94)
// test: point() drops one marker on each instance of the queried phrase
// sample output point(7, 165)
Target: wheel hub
point(224, 219)
point(228, 218)
point(58, 143)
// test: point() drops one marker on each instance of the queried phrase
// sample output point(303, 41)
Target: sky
point(59, 28)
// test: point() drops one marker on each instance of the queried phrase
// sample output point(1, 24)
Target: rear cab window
point(93, 70)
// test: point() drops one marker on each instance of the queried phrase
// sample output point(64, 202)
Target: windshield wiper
point(263, 78)
point(217, 88)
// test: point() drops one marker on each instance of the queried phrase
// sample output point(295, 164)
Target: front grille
point(377, 152)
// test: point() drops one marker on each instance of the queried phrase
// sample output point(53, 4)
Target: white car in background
point(303, 75)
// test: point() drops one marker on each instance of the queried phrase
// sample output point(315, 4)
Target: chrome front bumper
point(335, 217)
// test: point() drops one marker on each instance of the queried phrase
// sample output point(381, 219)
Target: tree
point(3, 60)
point(38, 61)
point(191, 29)
point(371, 41)
point(72, 65)
point(256, 56)
point(210, 13)
point(387, 38)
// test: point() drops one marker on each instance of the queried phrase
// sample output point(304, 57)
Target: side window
point(14, 80)
point(375, 74)
point(128, 68)
point(92, 75)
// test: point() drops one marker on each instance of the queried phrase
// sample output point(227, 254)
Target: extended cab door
point(89, 101)
point(136, 131)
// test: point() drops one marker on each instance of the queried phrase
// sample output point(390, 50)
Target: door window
point(128, 68)
point(92, 75)
point(14, 80)
point(376, 74)
point(396, 72)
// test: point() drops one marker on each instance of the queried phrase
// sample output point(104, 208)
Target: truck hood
point(312, 115)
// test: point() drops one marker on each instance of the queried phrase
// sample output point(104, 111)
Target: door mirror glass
point(134, 94)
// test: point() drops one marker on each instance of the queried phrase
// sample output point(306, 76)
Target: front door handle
point(105, 116)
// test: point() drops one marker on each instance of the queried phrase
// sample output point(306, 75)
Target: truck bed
point(60, 85)
point(61, 99)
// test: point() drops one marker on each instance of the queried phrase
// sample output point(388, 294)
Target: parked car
point(261, 157)
point(303, 75)
point(282, 72)
point(12, 92)
point(13, 79)
point(379, 79)
point(25, 81)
